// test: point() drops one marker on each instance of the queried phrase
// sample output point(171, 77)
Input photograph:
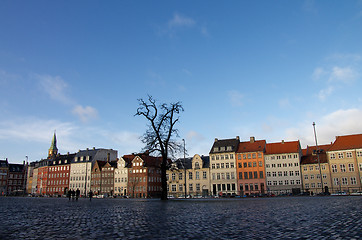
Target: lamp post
point(185, 163)
point(318, 151)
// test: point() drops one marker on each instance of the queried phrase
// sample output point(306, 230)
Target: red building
point(144, 175)
point(42, 177)
point(58, 176)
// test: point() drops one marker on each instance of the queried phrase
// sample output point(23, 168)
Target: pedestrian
point(73, 195)
point(77, 193)
point(90, 195)
point(69, 195)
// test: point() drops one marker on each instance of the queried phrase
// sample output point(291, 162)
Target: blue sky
point(240, 68)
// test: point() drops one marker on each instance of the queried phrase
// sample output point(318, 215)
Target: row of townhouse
point(96, 170)
point(256, 167)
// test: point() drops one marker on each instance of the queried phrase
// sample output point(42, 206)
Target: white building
point(121, 177)
point(282, 167)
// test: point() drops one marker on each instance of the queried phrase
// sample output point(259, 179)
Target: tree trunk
point(164, 179)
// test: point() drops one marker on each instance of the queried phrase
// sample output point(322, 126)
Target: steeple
point(53, 150)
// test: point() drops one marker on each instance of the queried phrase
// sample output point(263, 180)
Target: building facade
point(16, 179)
point(316, 176)
point(59, 173)
point(345, 162)
point(81, 167)
point(121, 178)
point(4, 171)
point(197, 172)
point(144, 175)
point(282, 166)
point(223, 166)
point(251, 167)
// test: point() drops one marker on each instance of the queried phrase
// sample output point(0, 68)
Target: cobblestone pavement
point(263, 218)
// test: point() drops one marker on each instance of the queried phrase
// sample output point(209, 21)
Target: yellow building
point(316, 176)
point(197, 170)
point(345, 160)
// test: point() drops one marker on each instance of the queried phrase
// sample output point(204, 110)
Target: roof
point(149, 161)
point(61, 158)
point(347, 142)
point(311, 158)
point(251, 146)
point(282, 147)
point(225, 143)
point(4, 163)
point(187, 162)
point(16, 167)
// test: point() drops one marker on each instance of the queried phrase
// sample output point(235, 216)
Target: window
point(254, 155)
point(261, 174)
point(226, 165)
point(255, 174)
point(222, 165)
point(268, 174)
point(269, 183)
point(312, 185)
point(245, 165)
point(353, 181)
point(297, 182)
point(296, 164)
point(349, 154)
point(333, 156)
point(231, 165)
point(324, 175)
point(260, 163)
point(305, 177)
point(240, 175)
point(344, 181)
point(197, 186)
point(280, 182)
point(311, 176)
point(249, 164)
point(285, 165)
point(267, 165)
point(336, 181)
point(273, 165)
point(274, 174)
point(284, 157)
point(280, 173)
point(286, 182)
point(240, 165)
point(239, 157)
point(197, 165)
point(173, 187)
point(245, 175)
point(334, 168)
point(204, 175)
point(307, 185)
point(246, 187)
point(197, 175)
point(180, 176)
point(291, 173)
point(292, 182)
point(275, 183)
point(343, 167)
point(279, 165)
point(227, 175)
point(173, 177)
point(254, 164)
point(285, 173)
point(251, 175)
point(340, 155)
point(218, 176)
point(190, 175)
point(278, 158)
point(296, 173)
point(351, 167)
point(231, 156)
point(259, 155)
point(323, 167)
point(191, 188)
point(217, 165)
point(213, 166)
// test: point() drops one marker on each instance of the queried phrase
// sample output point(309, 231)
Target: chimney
point(282, 141)
point(237, 138)
point(252, 139)
point(87, 149)
point(108, 157)
point(94, 148)
point(216, 139)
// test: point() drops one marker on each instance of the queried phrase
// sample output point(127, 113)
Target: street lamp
point(318, 151)
point(185, 163)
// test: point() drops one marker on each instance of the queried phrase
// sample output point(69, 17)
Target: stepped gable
point(283, 147)
point(347, 142)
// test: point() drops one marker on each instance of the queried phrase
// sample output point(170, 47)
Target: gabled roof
point(310, 157)
point(225, 143)
point(149, 161)
point(252, 146)
point(347, 142)
point(282, 147)
point(187, 162)
point(61, 158)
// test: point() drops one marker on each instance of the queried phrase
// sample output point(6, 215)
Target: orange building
point(250, 167)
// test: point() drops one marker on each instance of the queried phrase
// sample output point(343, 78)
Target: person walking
point(77, 193)
point(90, 195)
point(73, 195)
point(69, 195)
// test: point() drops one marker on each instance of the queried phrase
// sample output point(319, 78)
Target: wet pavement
point(263, 218)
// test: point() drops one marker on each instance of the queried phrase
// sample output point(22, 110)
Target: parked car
point(339, 194)
point(357, 193)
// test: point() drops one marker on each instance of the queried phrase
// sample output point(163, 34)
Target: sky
point(267, 69)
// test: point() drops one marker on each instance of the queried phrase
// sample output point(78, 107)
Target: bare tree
point(161, 128)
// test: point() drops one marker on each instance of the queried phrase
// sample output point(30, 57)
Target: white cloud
point(236, 98)
point(180, 21)
point(324, 93)
point(55, 87)
point(194, 136)
point(318, 73)
point(345, 75)
point(340, 122)
point(85, 113)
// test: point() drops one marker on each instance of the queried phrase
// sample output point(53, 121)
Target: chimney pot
point(252, 139)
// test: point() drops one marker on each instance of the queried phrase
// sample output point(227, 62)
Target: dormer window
point(216, 149)
point(197, 165)
point(228, 148)
point(222, 149)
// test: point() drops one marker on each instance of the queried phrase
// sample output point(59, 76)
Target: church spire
point(53, 150)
